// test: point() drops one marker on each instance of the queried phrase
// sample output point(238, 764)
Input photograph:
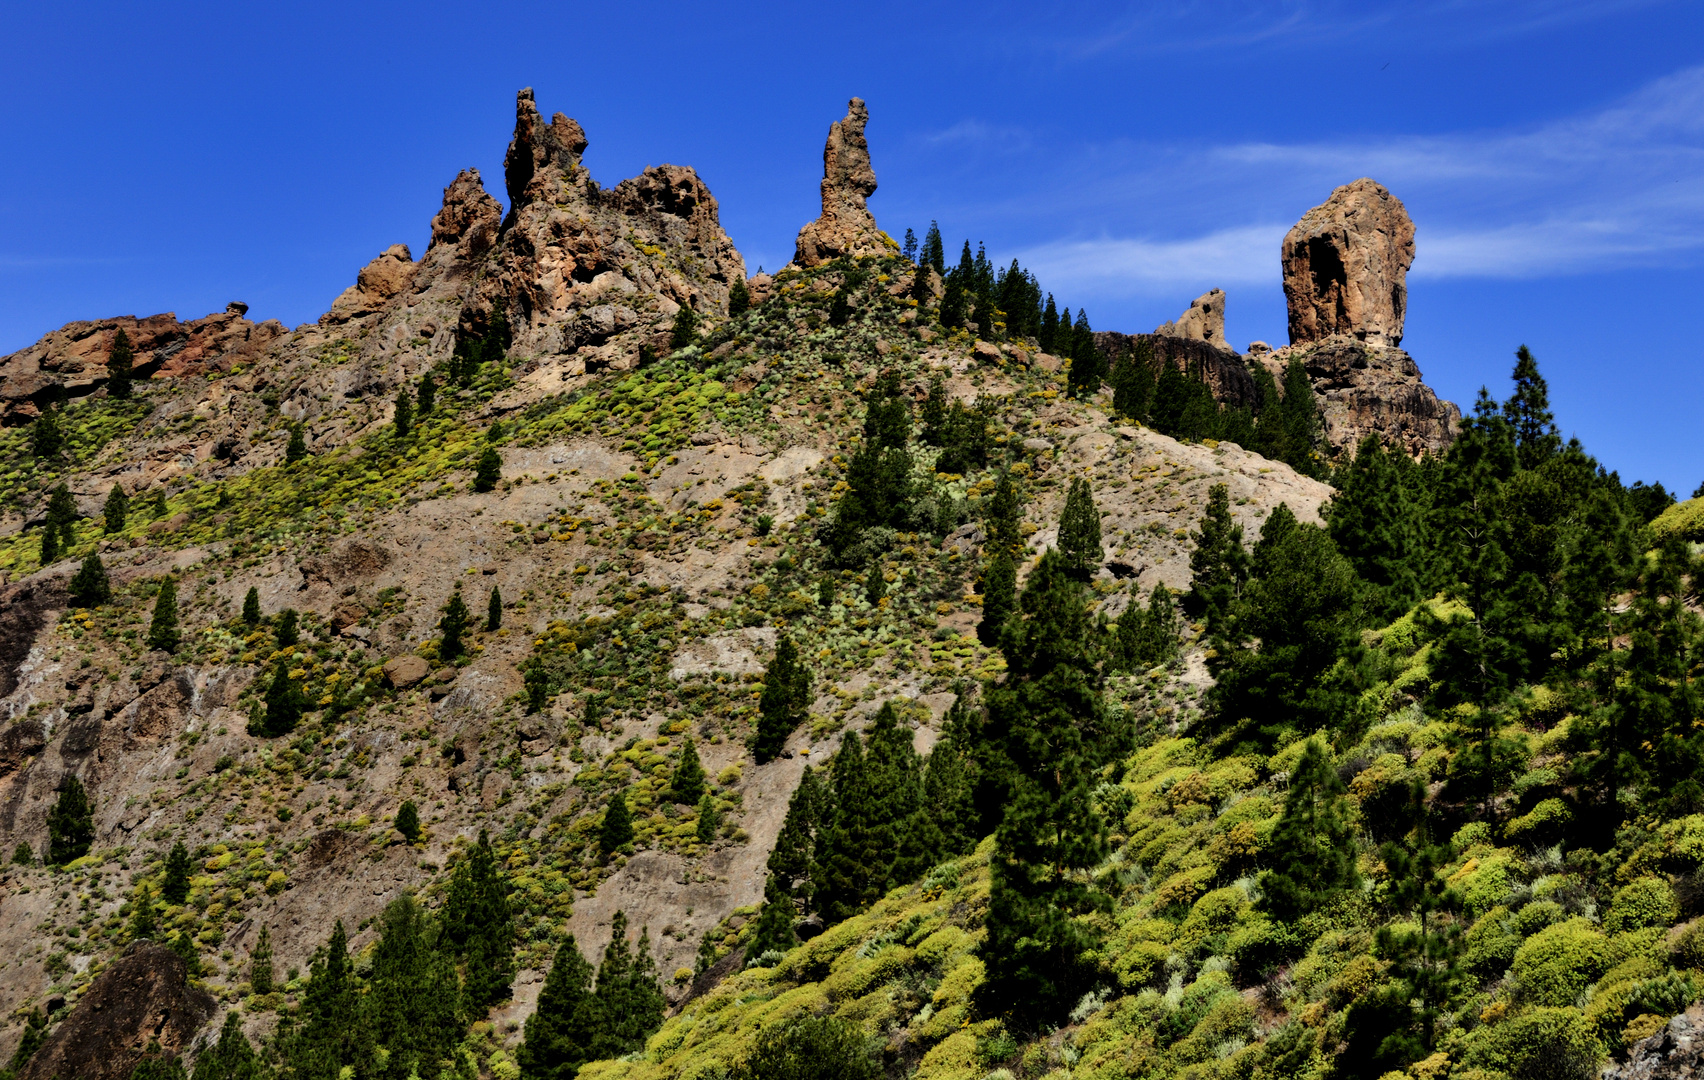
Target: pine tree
point(116, 510)
point(1088, 368)
point(232, 1057)
point(773, 932)
point(1377, 521)
point(934, 413)
point(947, 801)
point(489, 470)
point(1005, 515)
point(708, 819)
point(616, 831)
point(782, 706)
point(1053, 733)
point(922, 286)
point(1425, 957)
point(1528, 413)
point(144, 920)
point(331, 1031)
point(411, 1002)
point(90, 587)
point(494, 611)
point(285, 701)
point(537, 682)
point(35, 1033)
point(795, 847)
point(47, 441)
point(408, 820)
point(559, 1033)
point(739, 298)
point(999, 595)
point(685, 328)
point(160, 508)
point(402, 419)
point(288, 631)
point(934, 250)
point(297, 448)
point(70, 823)
point(876, 789)
point(838, 878)
point(62, 517)
point(1219, 564)
point(174, 888)
point(629, 1000)
point(909, 247)
point(163, 629)
point(875, 584)
point(425, 395)
point(479, 926)
point(49, 546)
point(687, 784)
point(260, 963)
point(1172, 394)
point(1080, 531)
point(1147, 636)
point(120, 359)
point(1133, 382)
point(452, 626)
point(1312, 844)
point(251, 607)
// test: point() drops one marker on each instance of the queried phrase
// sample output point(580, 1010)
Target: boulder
point(1346, 267)
point(142, 997)
point(1204, 321)
point(403, 672)
point(846, 226)
point(378, 281)
point(1675, 1051)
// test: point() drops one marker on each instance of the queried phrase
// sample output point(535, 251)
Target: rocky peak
point(846, 226)
point(539, 152)
point(469, 213)
point(1204, 321)
point(377, 283)
point(1346, 267)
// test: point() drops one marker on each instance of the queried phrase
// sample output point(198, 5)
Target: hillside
point(362, 677)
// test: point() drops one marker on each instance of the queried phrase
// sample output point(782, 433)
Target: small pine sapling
point(163, 629)
point(117, 509)
point(408, 821)
point(120, 359)
point(494, 611)
point(453, 626)
point(251, 607)
point(297, 448)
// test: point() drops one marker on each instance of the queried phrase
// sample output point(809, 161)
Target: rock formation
point(1346, 267)
point(846, 226)
point(1204, 321)
point(1345, 279)
point(71, 362)
point(1674, 1052)
point(142, 997)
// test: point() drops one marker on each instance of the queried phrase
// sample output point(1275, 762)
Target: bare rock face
point(577, 267)
point(470, 217)
point(1346, 267)
point(71, 361)
point(1674, 1053)
point(143, 996)
point(1204, 321)
point(377, 283)
point(846, 226)
point(1371, 390)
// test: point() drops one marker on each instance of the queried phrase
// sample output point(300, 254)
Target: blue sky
point(173, 157)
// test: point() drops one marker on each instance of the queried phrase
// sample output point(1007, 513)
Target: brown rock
point(1372, 390)
point(1346, 267)
point(377, 283)
point(403, 672)
point(470, 216)
point(1204, 321)
point(986, 352)
point(846, 226)
point(143, 997)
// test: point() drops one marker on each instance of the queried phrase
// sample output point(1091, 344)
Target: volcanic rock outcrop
point(846, 226)
point(71, 362)
point(1204, 321)
point(1345, 279)
point(1346, 267)
point(142, 998)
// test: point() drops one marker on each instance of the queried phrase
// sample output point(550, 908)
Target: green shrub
point(1645, 902)
point(1548, 1042)
point(1685, 520)
point(1560, 961)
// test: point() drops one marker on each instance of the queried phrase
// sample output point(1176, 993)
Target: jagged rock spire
point(846, 226)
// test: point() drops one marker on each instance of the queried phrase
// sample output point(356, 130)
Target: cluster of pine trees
point(1002, 304)
point(1175, 399)
point(577, 1020)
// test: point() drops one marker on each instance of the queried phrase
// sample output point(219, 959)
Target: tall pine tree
point(784, 701)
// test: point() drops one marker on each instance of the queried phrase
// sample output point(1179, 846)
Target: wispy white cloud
point(1618, 187)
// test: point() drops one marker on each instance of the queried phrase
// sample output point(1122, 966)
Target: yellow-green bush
point(1557, 963)
point(1646, 902)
